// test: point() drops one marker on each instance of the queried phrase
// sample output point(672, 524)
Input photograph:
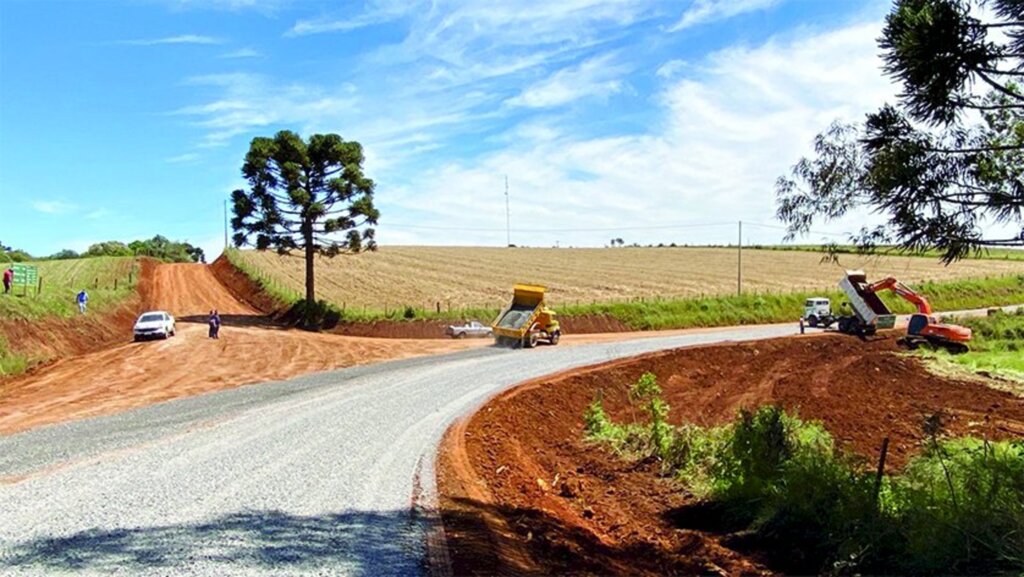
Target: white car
point(154, 324)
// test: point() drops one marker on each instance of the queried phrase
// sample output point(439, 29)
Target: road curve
point(326, 474)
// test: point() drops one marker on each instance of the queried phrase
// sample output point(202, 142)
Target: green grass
point(985, 254)
point(61, 281)
point(785, 307)
point(997, 345)
point(956, 508)
point(659, 314)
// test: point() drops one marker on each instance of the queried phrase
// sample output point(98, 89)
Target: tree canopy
point(310, 196)
point(945, 163)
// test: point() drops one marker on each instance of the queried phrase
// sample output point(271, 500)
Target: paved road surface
point(314, 476)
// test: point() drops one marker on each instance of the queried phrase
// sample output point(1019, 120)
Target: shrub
point(961, 506)
point(958, 507)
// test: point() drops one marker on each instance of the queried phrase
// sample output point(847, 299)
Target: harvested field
point(480, 277)
point(523, 492)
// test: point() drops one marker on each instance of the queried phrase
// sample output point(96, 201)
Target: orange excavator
point(924, 329)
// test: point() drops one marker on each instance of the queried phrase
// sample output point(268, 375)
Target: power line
point(605, 229)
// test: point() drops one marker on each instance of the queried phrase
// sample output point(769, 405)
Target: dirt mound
point(242, 288)
point(518, 481)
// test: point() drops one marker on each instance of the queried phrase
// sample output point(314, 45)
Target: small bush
point(409, 313)
point(961, 506)
point(958, 507)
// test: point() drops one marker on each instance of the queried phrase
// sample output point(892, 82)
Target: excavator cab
point(924, 330)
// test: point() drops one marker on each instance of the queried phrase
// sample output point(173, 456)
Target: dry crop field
point(481, 277)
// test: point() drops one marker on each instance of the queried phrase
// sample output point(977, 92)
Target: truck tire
point(461, 335)
point(531, 340)
point(555, 336)
point(812, 321)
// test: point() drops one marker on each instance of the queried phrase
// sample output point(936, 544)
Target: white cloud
point(241, 53)
point(596, 77)
point(98, 214)
point(180, 39)
point(671, 68)
point(738, 120)
point(378, 13)
point(53, 206)
point(183, 158)
point(705, 11)
point(252, 102)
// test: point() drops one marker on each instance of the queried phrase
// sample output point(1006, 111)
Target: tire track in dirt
point(250, 350)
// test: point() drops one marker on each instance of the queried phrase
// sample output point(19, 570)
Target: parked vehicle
point(470, 329)
point(154, 324)
point(526, 321)
point(818, 312)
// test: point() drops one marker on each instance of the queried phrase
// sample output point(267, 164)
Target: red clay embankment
point(522, 492)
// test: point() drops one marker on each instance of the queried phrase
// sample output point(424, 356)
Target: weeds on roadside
point(956, 508)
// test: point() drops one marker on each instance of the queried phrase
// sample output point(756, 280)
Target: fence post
point(438, 307)
point(881, 467)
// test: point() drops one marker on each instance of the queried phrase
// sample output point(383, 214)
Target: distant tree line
point(158, 247)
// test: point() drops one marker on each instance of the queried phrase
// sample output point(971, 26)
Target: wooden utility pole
point(739, 262)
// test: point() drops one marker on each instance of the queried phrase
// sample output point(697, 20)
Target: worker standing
point(83, 301)
point(8, 279)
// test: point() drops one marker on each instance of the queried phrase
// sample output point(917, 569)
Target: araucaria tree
point(946, 165)
point(309, 196)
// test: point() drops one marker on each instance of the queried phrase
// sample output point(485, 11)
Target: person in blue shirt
point(214, 324)
point(83, 301)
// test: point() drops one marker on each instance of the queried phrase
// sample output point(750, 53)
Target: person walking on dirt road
point(8, 279)
point(214, 324)
point(83, 301)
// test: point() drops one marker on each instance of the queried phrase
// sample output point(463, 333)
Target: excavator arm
point(904, 292)
point(923, 327)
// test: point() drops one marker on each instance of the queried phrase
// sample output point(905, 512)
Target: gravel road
point(328, 474)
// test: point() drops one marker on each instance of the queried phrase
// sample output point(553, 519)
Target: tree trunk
point(307, 234)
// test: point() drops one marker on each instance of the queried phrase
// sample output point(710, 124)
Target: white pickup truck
point(470, 329)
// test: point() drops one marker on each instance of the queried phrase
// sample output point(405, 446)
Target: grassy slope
point(698, 312)
point(62, 279)
point(997, 345)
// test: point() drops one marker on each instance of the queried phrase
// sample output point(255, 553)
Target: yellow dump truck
point(526, 321)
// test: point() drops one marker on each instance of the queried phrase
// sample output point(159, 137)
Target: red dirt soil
point(129, 375)
point(521, 492)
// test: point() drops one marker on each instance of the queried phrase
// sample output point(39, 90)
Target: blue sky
point(650, 121)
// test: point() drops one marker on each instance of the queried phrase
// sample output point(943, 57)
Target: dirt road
point(250, 350)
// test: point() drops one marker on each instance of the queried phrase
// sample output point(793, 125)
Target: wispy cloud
point(180, 39)
point(671, 68)
point(182, 158)
point(98, 214)
point(241, 53)
point(250, 102)
point(596, 77)
point(736, 121)
point(705, 11)
point(378, 13)
point(53, 206)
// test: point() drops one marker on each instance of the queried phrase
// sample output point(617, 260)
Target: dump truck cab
point(526, 321)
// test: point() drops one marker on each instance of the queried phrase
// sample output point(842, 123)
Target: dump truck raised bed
point(526, 321)
point(868, 313)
